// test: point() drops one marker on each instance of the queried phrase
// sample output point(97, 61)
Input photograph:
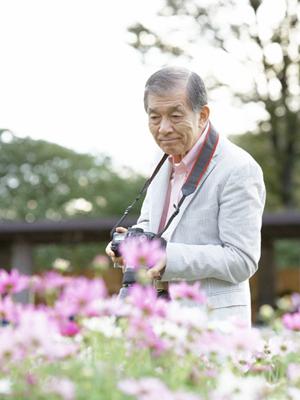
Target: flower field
point(73, 341)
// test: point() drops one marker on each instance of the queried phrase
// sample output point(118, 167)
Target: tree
point(42, 180)
point(263, 36)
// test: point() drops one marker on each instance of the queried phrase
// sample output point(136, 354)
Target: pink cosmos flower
point(245, 341)
point(208, 342)
point(9, 310)
point(101, 262)
point(186, 291)
point(60, 316)
point(81, 295)
point(37, 333)
point(141, 334)
point(295, 298)
point(149, 388)
point(12, 282)
point(292, 321)
point(8, 349)
point(64, 388)
point(140, 252)
point(145, 389)
point(293, 372)
point(185, 396)
point(59, 350)
point(63, 310)
point(156, 344)
point(31, 379)
point(145, 301)
point(69, 328)
point(49, 282)
point(114, 306)
point(34, 330)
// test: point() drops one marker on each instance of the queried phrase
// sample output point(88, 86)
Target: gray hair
point(169, 78)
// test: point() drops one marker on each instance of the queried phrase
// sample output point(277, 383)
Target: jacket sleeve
point(236, 258)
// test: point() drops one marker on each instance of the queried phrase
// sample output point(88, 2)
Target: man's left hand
point(157, 270)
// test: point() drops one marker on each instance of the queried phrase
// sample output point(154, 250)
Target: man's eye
point(154, 117)
point(176, 116)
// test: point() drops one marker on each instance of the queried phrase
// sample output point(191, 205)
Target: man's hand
point(111, 254)
point(157, 270)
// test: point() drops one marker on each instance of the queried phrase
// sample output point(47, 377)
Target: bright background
point(69, 76)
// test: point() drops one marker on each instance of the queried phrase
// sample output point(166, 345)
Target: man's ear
point(203, 115)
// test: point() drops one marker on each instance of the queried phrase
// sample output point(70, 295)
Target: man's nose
point(165, 125)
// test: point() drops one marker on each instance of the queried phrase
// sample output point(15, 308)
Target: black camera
point(118, 238)
point(129, 274)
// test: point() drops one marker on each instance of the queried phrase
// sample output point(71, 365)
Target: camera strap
point(198, 170)
point(140, 194)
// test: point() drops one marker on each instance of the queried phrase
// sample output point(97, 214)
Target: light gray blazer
point(215, 238)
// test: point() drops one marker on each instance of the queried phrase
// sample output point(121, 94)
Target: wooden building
point(17, 240)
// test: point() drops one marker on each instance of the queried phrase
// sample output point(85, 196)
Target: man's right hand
point(111, 254)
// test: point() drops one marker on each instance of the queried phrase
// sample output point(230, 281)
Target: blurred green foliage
point(258, 145)
point(80, 256)
point(41, 180)
point(287, 253)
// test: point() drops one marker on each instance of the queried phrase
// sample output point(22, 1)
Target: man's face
point(173, 124)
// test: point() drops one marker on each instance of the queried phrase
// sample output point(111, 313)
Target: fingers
point(160, 265)
point(111, 254)
point(153, 273)
point(121, 229)
point(118, 260)
point(158, 269)
point(108, 250)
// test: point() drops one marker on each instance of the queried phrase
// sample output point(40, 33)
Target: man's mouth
point(169, 140)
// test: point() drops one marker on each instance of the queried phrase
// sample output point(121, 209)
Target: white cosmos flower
point(105, 325)
point(170, 328)
point(240, 388)
point(294, 393)
point(194, 317)
point(293, 372)
point(61, 264)
point(5, 386)
point(281, 346)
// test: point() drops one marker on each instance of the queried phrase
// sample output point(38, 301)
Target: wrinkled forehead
point(172, 99)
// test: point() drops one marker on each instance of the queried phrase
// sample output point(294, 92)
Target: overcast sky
point(67, 75)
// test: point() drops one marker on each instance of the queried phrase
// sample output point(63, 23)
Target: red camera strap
point(202, 161)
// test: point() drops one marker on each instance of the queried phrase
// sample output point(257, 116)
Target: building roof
point(275, 225)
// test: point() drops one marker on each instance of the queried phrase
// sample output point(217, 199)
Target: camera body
point(129, 274)
point(118, 238)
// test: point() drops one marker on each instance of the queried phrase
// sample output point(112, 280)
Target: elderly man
point(216, 189)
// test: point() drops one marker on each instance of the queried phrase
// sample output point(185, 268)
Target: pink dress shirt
point(179, 174)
